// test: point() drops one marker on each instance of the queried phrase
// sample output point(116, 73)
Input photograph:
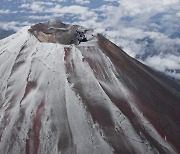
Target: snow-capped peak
point(59, 96)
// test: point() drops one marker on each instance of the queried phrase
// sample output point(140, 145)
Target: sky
point(148, 30)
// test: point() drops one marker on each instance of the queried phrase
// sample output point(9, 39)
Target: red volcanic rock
point(59, 96)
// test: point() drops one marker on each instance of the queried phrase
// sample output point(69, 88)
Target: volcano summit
point(64, 89)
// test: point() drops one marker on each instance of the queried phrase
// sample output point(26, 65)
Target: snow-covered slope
point(90, 98)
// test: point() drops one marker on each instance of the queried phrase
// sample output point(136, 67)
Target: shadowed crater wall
point(55, 31)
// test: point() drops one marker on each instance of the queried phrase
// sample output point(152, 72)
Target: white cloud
point(80, 12)
point(44, 3)
point(82, 1)
point(161, 63)
point(13, 25)
point(59, 0)
point(178, 14)
point(4, 11)
point(24, 6)
point(73, 9)
point(9, 25)
point(110, 0)
point(45, 17)
point(34, 6)
point(164, 64)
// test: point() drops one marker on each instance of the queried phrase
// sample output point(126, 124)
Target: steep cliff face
point(59, 96)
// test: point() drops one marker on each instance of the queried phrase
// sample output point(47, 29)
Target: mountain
point(64, 89)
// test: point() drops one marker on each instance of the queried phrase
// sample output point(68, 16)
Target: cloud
point(34, 6)
point(13, 25)
point(73, 9)
point(37, 17)
point(59, 0)
point(110, 0)
point(168, 64)
point(82, 1)
point(9, 25)
point(4, 11)
point(165, 62)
